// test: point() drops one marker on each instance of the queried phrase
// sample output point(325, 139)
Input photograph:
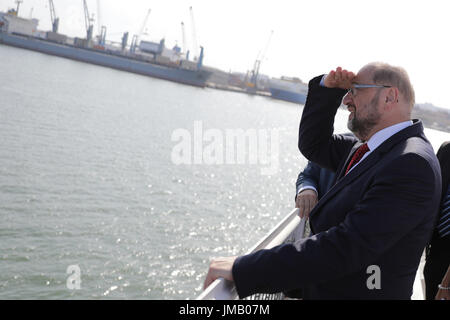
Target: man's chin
point(351, 116)
point(351, 127)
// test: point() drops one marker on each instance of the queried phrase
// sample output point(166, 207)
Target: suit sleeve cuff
point(239, 277)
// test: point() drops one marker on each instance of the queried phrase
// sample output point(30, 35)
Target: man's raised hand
point(339, 78)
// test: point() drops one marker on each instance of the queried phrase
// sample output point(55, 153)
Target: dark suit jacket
point(443, 156)
point(438, 258)
point(381, 213)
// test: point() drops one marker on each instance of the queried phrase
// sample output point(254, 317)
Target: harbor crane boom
point(183, 34)
point(55, 20)
point(99, 21)
point(18, 6)
point(266, 47)
point(259, 59)
point(194, 35)
point(141, 31)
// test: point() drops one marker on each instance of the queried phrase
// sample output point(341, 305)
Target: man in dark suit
point(370, 229)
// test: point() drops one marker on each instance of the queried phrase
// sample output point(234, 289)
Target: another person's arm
point(307, 189)
point(219, 268)
point(444, 287)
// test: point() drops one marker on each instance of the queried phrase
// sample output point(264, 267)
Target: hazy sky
point(309, 37)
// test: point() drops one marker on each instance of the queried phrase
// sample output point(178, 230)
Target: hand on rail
point(444, 294)
point(306, 200)
point(219, 268)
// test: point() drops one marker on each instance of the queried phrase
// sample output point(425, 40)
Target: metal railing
point(290, 229)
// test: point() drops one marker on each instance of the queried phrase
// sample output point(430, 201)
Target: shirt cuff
point(307, 188)
point(322, 81)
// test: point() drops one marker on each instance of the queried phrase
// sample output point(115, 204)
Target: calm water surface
point(86, 179)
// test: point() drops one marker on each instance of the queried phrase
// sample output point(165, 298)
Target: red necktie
point(357, 156)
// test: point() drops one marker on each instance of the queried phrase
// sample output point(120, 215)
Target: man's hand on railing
point(290, 228)
point(219, 268)
point(306, 201)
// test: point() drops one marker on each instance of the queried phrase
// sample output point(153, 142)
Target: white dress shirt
point(377, 139)
point(381, 136)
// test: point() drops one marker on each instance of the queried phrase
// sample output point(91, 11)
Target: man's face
point(363, 105)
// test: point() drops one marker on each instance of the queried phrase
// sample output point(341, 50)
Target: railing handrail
point(291, 225)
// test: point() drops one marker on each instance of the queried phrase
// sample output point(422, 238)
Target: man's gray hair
point(383, 73)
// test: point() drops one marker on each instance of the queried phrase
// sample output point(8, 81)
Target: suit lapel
point(342, 181)
point(374, 157)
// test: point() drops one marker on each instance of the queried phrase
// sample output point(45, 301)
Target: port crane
point(88, 22)
point(100, 29)
point(135, 40)
point(55, 20)
point(259, 58)
point(183, 34)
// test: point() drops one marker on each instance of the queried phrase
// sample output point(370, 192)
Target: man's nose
point(347, 98)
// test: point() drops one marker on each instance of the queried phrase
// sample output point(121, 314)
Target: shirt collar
point(384, 134)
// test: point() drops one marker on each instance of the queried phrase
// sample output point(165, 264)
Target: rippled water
point(87, 179)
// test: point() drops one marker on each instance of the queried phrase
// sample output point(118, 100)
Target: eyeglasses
point(352, 90)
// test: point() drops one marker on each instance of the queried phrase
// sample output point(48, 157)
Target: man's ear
point(391, 97)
